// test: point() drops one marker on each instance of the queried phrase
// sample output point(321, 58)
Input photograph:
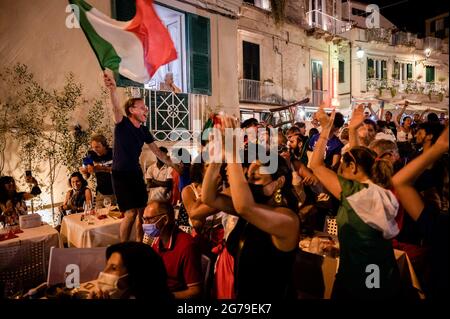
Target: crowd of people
point(383, 177)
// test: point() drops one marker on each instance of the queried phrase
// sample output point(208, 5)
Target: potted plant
point(393, 91)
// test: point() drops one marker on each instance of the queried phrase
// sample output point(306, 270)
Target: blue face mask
point(151, 229)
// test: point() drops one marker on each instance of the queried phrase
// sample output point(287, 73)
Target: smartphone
point(28, 173)
point(87, 161)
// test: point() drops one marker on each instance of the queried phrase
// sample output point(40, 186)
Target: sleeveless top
point(261, 271)
point(77, 198)
point(362, 245)
point(403, 136)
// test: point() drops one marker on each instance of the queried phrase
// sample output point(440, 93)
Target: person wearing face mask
point(133, 271)
point(264, 241)
point(178, 250)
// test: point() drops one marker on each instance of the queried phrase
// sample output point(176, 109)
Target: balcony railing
point(258, 92)
point(175, 116)
point(317, 97)
point(379, 35)
point(404, 38)
point(434, 44)
point(330, 24)
point(407, 86)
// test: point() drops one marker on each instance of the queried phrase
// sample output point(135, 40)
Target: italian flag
point(136, 48)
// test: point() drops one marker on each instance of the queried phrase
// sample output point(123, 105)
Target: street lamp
point(427, 52)
point(359, 53)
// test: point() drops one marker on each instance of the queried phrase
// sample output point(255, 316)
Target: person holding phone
point(98, 162)
point(12, 202)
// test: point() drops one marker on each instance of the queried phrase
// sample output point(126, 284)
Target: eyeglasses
point(153, 219)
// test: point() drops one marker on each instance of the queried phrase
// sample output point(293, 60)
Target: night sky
point(410, 15)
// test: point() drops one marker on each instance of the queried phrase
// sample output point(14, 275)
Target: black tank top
point(261, 271)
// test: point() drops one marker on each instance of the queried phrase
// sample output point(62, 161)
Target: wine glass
point(107, 203)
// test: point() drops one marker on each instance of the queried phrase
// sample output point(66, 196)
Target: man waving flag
point(136, 48)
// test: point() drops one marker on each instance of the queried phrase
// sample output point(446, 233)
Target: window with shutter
point(341, 72)
point(199, 54)
point(429, 74)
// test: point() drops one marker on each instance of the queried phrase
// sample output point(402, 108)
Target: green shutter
point(409, 71)
point(430, 74)
point(123, 10)
point(199, 54)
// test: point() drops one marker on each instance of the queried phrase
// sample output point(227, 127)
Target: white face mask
point(109, 283)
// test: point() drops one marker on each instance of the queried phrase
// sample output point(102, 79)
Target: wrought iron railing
point(175, 116)
point(404, 38)
point(317, 97)
point(320, 20)
point(379, 35)
point(407, 86)
point(258, 92)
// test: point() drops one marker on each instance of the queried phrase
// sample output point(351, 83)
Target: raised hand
point(110, 83)
point(325, 121)
point(357, 117)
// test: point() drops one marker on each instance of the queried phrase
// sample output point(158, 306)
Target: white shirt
point(162, 175)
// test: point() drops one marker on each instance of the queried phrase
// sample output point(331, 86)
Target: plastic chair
point(330, 226)
point(23, 265)
point(89, 260)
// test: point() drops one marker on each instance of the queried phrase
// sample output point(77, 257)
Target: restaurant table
point(78, 233)
point(24, 259)
point(314, 274)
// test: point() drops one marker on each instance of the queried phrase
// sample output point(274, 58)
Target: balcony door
point(251, 61)
point(317, 82)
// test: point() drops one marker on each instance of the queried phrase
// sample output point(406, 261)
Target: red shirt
point(182, 259)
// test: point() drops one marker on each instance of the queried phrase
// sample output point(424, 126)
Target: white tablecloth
point(79, 234)
point(44, 233)
point(24, 259)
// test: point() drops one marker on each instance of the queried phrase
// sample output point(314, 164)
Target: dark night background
point(410, 15)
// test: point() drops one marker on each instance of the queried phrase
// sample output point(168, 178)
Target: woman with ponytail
point(365, 219)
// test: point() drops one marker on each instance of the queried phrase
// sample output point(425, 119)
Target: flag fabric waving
point(136, 48)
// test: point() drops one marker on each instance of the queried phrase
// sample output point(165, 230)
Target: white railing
point(318, 19)
point(404, 38)
point(258, 92)
point(175, 116)
point(432, 43)
point(407, 86)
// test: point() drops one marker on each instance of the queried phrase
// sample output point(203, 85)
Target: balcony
point(175, 116)
point(252, 91)
point(392, 87)
point(316, 19)
point(404, 38)
point(434, 44)
point(379, 35)
point(317, 97)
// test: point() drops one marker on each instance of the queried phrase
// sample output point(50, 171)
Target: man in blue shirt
point(334, 145)
point(130, 134)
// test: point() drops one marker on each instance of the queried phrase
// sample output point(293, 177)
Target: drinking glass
point(107, 203)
